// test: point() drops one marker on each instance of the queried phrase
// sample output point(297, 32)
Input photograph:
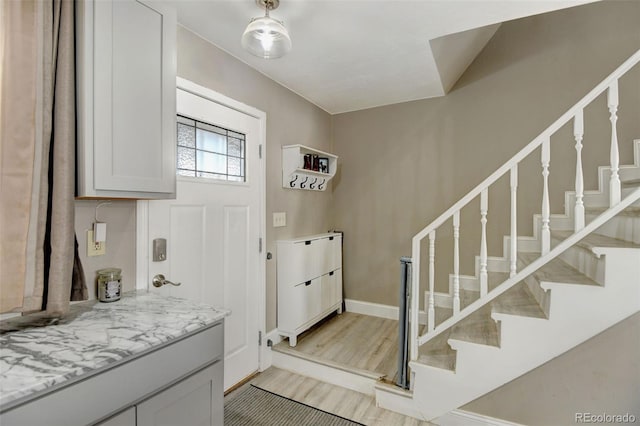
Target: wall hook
point(321, 185)
point(303, 184)
point(293, 182)
point(313, 184)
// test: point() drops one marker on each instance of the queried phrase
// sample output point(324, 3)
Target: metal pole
point(403, 323)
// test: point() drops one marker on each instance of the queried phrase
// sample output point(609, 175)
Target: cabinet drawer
point(298, 304)
point(305, 260)
point(331, 289)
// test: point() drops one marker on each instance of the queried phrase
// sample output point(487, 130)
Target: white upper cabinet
point(126, 91)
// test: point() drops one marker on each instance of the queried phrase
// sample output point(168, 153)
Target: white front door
point(213, 229)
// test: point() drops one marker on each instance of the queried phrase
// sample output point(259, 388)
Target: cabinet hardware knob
point(307, 283)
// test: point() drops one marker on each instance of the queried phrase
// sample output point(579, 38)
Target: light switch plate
point(279, 219)
point(93, 248)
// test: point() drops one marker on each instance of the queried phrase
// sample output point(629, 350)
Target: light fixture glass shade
point(266, 38)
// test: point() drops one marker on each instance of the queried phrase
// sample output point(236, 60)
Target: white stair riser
point(441, 300)
point(467, 282)
point(557, 222)
point(542, 297)
point(529, 342)
point(525, 245)
point(584, 261)
point(497, 264)
point(595, 199)
point(621, 227)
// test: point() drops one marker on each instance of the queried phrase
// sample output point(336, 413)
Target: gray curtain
point(50, 252)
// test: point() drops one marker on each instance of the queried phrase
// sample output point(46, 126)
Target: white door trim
point(142, 208)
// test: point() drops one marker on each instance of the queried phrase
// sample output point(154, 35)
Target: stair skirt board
point(400, 401)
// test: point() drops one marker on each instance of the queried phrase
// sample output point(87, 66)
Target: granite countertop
point(37, 355)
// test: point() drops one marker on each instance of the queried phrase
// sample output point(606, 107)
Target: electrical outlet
point(93, 248)
point(279, 219)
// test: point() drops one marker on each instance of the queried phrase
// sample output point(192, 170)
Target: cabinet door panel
point(299, 304)
point(313, 298)
point(134, 100)
point(195, 401)
point(328, 290)
point(125, 418)
point(295, 262)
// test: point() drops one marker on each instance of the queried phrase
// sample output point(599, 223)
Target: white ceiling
point(354, 54)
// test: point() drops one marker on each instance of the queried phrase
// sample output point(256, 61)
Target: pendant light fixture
point(266, 37)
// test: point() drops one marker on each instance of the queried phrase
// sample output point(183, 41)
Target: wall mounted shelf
point(296, 176)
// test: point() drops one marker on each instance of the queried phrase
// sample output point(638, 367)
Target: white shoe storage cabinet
point(309, 282)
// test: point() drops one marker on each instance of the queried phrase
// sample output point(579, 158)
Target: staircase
point(578, 275)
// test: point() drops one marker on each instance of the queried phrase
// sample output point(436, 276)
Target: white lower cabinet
point(124, 418)
point(177, 384)
point(194, 401)
point(309, 282)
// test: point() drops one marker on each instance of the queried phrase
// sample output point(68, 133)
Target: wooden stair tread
point(630, 183)
point(595, 240)
point(556, 271)
point(629, 211)
point(518, 300)
point(478, 327)
point(437, 353)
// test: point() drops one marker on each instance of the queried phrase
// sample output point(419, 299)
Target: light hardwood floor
point(333, 399)
point(352, 340)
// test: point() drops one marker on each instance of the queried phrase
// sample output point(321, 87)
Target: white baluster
point(431, 314)
point(614, 183)
point(484, 208)
point(546, 232)
point(578, 132)
point(456, 262)
point(514, 222)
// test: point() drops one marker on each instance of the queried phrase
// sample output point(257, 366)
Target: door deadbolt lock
point(159, 249)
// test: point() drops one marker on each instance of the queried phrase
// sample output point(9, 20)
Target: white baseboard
point(467, 418)
point(378, 310)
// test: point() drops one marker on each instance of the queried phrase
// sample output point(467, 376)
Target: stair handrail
point(535, 143)
point(533, 266)
point(512, 163)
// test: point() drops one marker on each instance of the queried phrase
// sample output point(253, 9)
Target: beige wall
point(120, 217)
point(290, 120)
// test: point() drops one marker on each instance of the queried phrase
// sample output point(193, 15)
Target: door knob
point(159, 280)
